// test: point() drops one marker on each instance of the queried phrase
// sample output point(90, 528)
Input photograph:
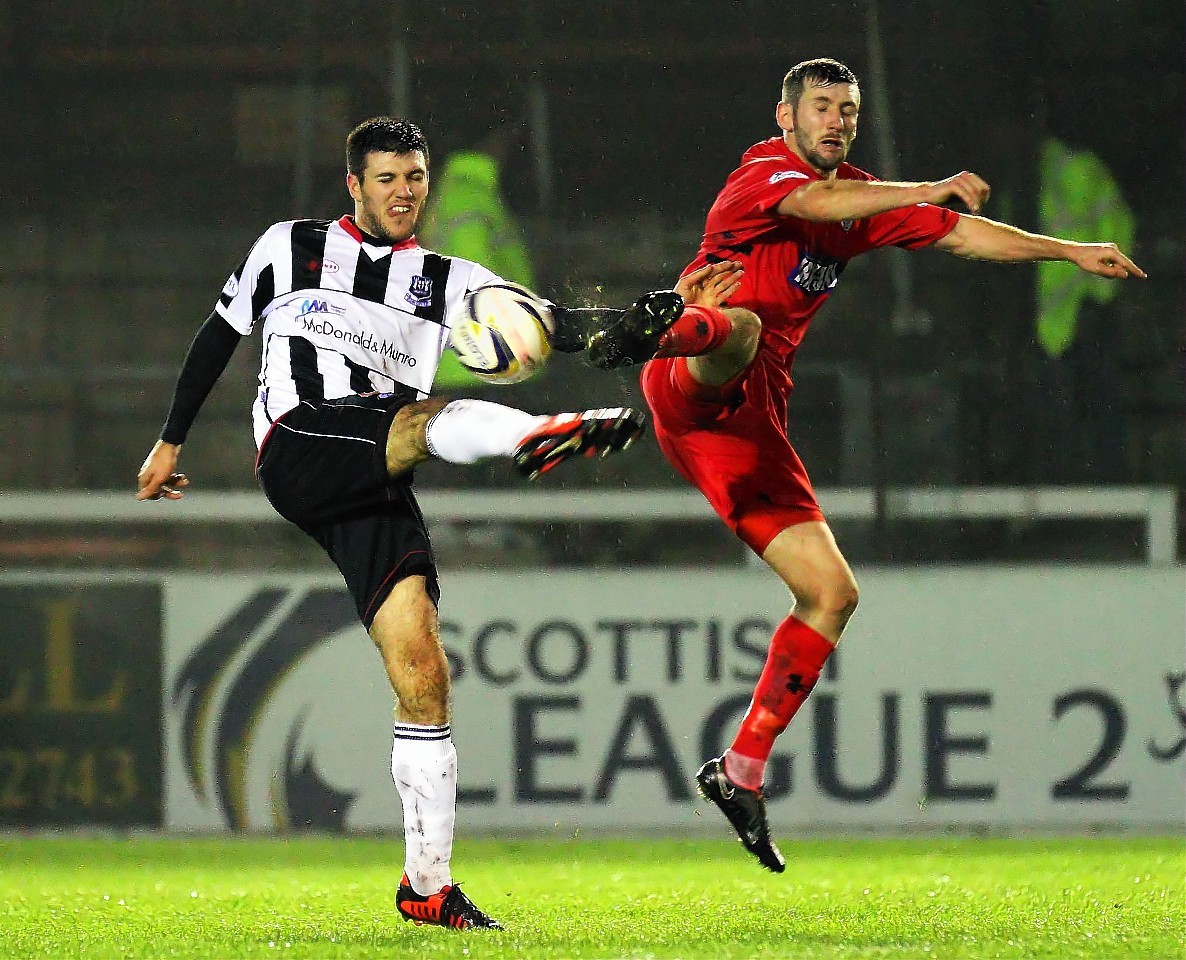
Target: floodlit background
point(149, 144)
point(146, 145)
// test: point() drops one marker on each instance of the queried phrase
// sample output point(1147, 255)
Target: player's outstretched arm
point(158, 477)
point(1104, 260)
point(835, 200)
point(981, 239)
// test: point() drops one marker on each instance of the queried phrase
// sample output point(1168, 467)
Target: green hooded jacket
point(1079, 201)
point(467, 218)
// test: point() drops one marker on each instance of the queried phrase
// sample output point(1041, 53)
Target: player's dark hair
point(823, 72)
point(382, 135)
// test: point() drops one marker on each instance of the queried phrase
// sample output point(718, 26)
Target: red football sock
point(797, 654)
point(699, 330)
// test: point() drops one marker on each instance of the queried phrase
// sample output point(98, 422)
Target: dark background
point(147, 144)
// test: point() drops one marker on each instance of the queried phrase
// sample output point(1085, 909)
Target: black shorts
point(324, 467)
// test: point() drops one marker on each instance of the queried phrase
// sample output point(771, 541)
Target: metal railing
point(1155, 507)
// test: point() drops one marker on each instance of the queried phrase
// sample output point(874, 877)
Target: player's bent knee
point(835, 598)
point(411, 418)
point(406, 444)
point(841, 593)
point(743, 342)
point(731, 358)
point(846, 599)
point(746, 324)
point(747, 332)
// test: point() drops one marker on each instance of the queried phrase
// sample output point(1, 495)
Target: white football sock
point(465, 431)
point(424, 768)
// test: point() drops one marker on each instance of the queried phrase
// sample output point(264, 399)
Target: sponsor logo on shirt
point(419, 291)
point(324, 326)
point(314, 306)
point(787, 175)
point(816, 275)
point(319, 306)
point(329, 266)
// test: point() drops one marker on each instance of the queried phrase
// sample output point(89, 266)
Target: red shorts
point(731, 442)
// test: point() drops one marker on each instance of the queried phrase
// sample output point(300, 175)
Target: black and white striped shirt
point(343, 314)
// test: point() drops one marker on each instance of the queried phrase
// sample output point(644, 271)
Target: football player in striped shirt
point(354, 315)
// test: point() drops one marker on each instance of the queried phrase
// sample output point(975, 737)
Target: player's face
point(390, 194)
point(824, 124)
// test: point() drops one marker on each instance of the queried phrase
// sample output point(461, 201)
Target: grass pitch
point(328, 897)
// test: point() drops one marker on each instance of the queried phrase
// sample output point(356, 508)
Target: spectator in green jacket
point(1084, 434)
point(469, 218)
point(1079, 200)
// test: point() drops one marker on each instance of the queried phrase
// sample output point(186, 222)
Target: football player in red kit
point(789, 219)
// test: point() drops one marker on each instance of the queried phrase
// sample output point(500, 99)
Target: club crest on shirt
point(846, 225)
point(419, 291)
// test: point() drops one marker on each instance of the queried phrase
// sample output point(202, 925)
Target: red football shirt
point(792, 265)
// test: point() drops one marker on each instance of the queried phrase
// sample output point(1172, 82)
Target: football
point(504, 333)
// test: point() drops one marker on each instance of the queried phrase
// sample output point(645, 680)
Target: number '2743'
point(49, 779)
